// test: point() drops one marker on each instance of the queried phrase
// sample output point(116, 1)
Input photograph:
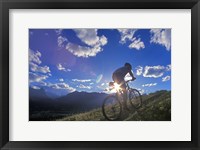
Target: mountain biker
point(118, 77)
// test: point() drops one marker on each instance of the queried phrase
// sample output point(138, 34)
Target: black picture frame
point(5, 5)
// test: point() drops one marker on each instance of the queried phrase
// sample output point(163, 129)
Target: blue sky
point(67, 60)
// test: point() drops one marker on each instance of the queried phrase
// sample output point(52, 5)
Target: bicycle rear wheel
point(111, 108)
point(135, 98)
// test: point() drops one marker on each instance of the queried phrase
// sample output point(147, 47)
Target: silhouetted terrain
point(87, 106)
point(41, 107)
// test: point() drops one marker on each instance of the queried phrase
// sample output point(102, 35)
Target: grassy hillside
point(156, 107)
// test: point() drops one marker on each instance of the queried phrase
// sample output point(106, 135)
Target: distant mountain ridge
point(82, 100)
point(37, 93)
point(71, 103)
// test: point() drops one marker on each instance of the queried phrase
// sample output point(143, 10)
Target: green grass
point(94, 115)
point(156, 107)
point(158, 110)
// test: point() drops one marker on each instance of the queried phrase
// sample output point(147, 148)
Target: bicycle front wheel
point(135, 98)
point(111, 108)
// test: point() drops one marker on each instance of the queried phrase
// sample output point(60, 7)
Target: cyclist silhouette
point(118, 77)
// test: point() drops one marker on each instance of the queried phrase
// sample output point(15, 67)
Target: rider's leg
point(123, 86)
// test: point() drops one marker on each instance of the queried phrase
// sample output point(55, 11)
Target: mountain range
point(74, 102)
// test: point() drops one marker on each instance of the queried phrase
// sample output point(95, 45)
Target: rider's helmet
point(128, 65)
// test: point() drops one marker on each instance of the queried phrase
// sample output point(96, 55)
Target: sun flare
point(117, 87)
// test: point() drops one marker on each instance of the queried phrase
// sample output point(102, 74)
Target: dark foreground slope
point(157, 108)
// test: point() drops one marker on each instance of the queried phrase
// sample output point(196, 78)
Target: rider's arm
point(131, 73)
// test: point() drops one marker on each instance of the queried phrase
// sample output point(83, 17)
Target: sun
point(117, 87)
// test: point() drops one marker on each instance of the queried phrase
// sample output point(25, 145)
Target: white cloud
point(162, 37)
point(62, 86)
point(35, 87)
point(139, 70)
point(84, 87)
point(33, 77)
point(34, 56)
point(49, 74)
point(90, 38)
point(82, 80)
point(126, 35)
point(34, 62)
point(58, 31)
point(61, 68)
point(61, 79)
point(137, 44)
point(154, 71)
point(166, 78)
point(149, 84)
point(61, 41)
point(83, 51)
point(168, 68)
point(42, 83)
point(36, 68)
point(103, 40)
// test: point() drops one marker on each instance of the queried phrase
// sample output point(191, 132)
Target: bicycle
point(112, 104)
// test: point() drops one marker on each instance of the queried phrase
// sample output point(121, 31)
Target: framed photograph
point(95, 74)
